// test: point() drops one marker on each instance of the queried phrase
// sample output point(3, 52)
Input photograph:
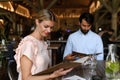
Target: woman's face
point(45, 27)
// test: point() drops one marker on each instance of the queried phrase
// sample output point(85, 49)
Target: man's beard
point(84, 31)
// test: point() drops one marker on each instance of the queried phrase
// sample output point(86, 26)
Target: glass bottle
point(112, 64)
point(4, 45)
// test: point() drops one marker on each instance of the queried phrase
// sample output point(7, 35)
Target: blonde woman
point(32, 54)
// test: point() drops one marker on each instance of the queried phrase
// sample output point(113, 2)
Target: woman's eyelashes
point(47, 26)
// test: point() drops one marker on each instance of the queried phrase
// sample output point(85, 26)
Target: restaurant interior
point(16, 22)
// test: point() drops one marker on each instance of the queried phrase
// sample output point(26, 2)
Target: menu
point(83, 54)
point(65, 65)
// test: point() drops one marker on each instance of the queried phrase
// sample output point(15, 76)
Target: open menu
point(83, 54)
point(65, 65)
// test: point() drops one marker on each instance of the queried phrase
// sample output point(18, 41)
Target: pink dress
point(36, 51)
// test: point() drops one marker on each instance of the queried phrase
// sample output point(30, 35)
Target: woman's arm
point(26, 65)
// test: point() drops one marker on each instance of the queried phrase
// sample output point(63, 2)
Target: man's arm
point(99, 49)
point(68, 50)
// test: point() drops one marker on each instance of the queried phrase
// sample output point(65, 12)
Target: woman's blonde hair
point(44, 14)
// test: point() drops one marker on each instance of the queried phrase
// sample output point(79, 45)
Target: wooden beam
point(51, 4)
point(31, 4)
point(109, 8)
point(41, 4)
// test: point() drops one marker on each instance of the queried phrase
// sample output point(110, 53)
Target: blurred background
point(16, 21)
point(16, 15)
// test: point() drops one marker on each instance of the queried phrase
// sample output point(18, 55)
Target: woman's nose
point(49, 29)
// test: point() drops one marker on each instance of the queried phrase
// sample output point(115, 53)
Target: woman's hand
point(59, 72)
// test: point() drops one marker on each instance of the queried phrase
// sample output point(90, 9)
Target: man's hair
point(111, 30)
point(88, 17)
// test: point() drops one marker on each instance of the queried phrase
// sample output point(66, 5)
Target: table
point(79, 71)
point(58, 41)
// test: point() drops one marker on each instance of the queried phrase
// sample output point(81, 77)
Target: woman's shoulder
point(28, 40)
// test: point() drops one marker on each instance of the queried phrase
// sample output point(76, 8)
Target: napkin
point(74, 77)
point(82, 60)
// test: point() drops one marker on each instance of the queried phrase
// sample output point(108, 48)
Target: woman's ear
point(36, 21)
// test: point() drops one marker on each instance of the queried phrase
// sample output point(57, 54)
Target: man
point(84, 41)
point(107, 37)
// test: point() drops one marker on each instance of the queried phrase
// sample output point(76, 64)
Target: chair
point(12, 72)
point(10, 52)
point(60, 53)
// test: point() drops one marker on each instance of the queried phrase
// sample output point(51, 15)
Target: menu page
point(65, 65)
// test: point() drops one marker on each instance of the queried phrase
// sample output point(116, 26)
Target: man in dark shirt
point(107, 39)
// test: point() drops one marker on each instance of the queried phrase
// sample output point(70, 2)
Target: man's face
point(110, 33)
point(85, 26)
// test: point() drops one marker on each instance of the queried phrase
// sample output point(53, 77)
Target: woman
point(32, 54)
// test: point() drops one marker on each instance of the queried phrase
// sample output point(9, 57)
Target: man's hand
point(70, 57)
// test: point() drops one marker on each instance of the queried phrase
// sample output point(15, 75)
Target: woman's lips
point(46, 33)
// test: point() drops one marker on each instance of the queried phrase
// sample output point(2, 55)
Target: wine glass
point(86, 71)
point(93, 64)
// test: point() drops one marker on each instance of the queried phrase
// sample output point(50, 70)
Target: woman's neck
point(37, 36)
